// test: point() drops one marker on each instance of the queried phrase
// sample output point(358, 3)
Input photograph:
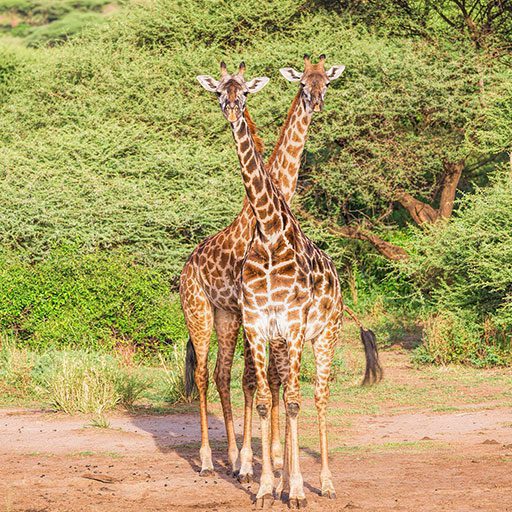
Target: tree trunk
point(419, 211)
point(422, 212)
point(451, 180)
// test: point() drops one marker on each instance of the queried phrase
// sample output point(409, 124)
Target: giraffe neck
point(262, 194)
point(284, 162)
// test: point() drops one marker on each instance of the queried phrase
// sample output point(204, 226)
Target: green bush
point(62, 29)
point(463, 268)
point(95, 300)
point(455, 337)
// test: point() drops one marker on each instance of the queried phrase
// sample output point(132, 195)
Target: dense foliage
point(110, 147)
point(98, 300)
point(465, 270)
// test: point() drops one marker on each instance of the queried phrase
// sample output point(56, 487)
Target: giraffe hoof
point(233, 472)
point(245, 479)
point(297, 503)
point(329, 494)
point(285, 496)
point(265, 501)
point(207, 472)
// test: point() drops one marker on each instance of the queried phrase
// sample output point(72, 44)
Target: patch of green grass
point(86, 453)
point(100, 422)
point(77, 381)
point(391, 446)
point(80, 385)
point(445, 408)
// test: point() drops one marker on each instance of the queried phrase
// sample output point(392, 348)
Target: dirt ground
point(402, 461)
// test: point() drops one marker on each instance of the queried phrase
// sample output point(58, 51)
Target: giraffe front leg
point(249, 387)
point(265, 495)
point(323, 348)
point(227, 326)
point(274, 383)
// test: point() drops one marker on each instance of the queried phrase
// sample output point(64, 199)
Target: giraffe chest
point(281, 296)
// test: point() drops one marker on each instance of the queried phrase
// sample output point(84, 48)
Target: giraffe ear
point(209, 83)
point(291, 74)
point(256, 84)
point(335, 72)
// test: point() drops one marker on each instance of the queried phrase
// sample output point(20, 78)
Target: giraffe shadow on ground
point(181, 434)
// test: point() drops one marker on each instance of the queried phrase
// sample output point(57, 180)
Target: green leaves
point(95, 300)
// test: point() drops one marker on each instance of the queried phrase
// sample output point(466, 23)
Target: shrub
point(94, 300)
point(85, 384)
point(16, 367)
point(130, 388)
point(62, 29)
point(463, 268)
point(451, 337)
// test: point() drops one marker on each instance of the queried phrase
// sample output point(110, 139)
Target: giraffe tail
point(373, 372)
point(190, 366)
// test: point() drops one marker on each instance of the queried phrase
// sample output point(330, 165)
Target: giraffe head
point(232, 90)
point(313, 81)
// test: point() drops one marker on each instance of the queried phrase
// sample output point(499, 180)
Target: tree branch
point(387, 249)
point(420, 212)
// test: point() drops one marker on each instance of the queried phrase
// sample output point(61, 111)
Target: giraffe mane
point(277, 147)
point(258, 142)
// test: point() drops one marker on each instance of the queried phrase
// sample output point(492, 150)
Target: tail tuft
point(373, 373)
point(190, 366)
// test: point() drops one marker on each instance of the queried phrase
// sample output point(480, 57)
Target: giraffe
point(289, 294)
point(208, 283)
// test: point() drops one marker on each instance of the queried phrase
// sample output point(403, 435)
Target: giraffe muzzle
point(317, 107)
point(231, 114)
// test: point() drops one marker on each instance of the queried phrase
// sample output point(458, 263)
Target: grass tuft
point(82, 385)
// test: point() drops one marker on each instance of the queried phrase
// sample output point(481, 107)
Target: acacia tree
point(408, 135)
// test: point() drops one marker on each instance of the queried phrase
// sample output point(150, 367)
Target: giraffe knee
point(201, 379)
point(293, 408)
point(249, 383)
point(262, 410)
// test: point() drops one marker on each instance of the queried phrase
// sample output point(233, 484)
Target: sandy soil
point(411, 461)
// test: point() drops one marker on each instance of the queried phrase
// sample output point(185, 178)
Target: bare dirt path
point(407, 461)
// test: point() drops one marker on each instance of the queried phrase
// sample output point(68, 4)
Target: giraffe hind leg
point(249, 387)
point(323, 349)
point(199, 319)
